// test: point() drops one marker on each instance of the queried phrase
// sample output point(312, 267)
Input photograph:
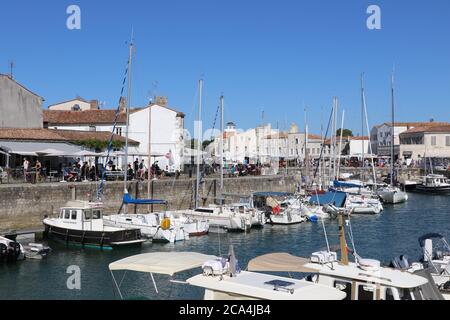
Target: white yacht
point(360, 204)
point(81, 222)
point(220, 217)
point(160, 226)
point(256, 217)
point(221, 278)
point(362, 280)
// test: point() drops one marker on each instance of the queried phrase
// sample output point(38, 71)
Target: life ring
point(165, 224)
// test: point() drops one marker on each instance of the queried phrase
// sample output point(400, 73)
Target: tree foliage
point(346, 133)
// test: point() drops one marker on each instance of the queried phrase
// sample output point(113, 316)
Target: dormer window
point(76, 107)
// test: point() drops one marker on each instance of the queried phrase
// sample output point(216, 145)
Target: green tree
point(346, 133)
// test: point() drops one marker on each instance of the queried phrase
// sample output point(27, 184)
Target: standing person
point(136, 168)
point(142, 170)
point(38, 167)
point(26, 167)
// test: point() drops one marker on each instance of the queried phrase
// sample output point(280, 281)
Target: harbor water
point(392, 233)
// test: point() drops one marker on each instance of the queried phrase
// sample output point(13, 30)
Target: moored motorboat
point(10, 250)
point(81, 223)
point(434, 184)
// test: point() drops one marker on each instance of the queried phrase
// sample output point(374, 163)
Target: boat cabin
point(435, 180)
point(81, 215)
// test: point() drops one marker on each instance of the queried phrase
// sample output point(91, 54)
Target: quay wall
point(23, 206)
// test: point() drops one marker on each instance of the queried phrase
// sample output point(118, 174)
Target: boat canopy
point(340, 184)
point(429, 236)
point(280, 262)
point(334, 197)
point(127, 199)
point(168, 263)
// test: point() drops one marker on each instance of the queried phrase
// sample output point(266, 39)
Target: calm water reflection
point(390, 234)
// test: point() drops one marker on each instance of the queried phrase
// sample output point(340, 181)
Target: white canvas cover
point(280, 262)
point(168, 263)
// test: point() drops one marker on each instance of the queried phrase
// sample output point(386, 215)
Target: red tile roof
point(415, 124)
point(442, 128)
point(58, 135)
point(87, 117)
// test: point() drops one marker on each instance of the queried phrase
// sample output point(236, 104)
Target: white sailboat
point(391, 193)
point(159, 226)
point(221, 217)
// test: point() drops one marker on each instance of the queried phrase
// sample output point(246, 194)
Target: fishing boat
point(434, 184)
point(81, 222)
point(221, 278)
point(11, 251)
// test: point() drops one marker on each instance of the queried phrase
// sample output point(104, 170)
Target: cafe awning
point(36, 148)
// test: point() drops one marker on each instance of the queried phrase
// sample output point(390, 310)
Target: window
point(76, 107)
point(447, 141)
point(96, 214)
point(87, 215)
point(61, 214)
point(345, 287)
point(74, 215)
point(366, 292)
point(433, 140)
point(92, 128)
point(66, 214)
point(389, 294)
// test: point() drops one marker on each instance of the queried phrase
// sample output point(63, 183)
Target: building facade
point(19, 107)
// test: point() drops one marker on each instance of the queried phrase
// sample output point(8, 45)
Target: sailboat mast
point(199, 141)
point(149, 181)
point(393, 130)
point(362, 128)
point(128, 104)
point(222, 130)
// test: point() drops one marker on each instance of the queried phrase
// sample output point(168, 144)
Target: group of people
point(30, 176)
point(139, 169)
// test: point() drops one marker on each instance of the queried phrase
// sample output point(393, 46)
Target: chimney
point(161, 101)
point(94, 105)
point(122, 104)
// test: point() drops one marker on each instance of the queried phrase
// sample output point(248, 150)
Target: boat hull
point(433, 190)
point(100, 239)
point(393, 197)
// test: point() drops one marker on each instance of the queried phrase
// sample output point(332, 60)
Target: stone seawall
point(22, 206)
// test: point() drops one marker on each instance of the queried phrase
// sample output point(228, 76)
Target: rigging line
point(110, 143)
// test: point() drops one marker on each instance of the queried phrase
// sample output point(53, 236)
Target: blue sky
point(274, 56)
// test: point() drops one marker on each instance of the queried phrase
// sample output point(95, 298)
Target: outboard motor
point(13, 252)
point(3, 251)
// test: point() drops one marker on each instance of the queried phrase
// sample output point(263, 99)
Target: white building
point(381, 136)
point(167, 128)
point(77, 104)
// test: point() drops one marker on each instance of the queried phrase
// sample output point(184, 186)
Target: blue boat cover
point(331, 197)
point(340, 184)
point(127, 199)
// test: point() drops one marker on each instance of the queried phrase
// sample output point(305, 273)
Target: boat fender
point(165, 224)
